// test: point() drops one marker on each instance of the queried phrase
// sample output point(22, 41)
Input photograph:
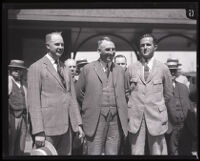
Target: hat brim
point(174, 68)
point(81, 64)
point(42, 152)
point(14, 66)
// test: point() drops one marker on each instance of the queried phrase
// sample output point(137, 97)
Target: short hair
point(70, 59)
point(49, 35)
point(105, 38)
point(119, 56)
point(155, 41)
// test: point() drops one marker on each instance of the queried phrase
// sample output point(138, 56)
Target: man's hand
point(40, 140)
point(81, 134)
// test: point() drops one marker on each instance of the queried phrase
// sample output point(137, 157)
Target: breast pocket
point(157, 86)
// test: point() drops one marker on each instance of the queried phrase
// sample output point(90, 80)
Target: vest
point(17, 101)
point(108, 102)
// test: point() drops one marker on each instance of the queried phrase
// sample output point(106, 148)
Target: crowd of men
point(102, 107)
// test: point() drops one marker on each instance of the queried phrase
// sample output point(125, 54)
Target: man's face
point(173, 73)
point(72, 66)
point(121, 61)
point(56, 46)
point(107, 51)
point(16, 73)
point(147, 47)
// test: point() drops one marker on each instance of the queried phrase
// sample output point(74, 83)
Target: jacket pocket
point(157, 85)
point(163, 114)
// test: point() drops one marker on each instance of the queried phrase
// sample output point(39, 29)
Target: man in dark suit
point(101, 89)
point(179, 112)
point(17, 107)
point(52, 101)
point(151, 91)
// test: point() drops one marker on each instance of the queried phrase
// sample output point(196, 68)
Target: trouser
point(107, 136)
point(62, 143)
point(157, 144)
point(173, 140)
point(17, 135)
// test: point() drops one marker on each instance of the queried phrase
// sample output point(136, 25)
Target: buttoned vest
point(17, 101)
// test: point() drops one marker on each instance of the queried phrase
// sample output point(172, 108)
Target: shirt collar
point(50, 58)
point(149, 62)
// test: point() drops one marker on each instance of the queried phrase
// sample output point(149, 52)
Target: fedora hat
point(48, 149)
point(173, 63)
point(17, 64)
point(81, 63)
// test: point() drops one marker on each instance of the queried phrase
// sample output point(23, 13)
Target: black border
point(80, 5)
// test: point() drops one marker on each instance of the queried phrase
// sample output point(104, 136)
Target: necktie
point(60, 73)
point(107, 70)
point(146, 71)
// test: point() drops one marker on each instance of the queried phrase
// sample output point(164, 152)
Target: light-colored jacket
point(149, 98)
point(52, 107)
point(90, 83)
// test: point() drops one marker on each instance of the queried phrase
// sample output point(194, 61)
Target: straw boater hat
point(17, 64)
point(173, 63)
point(81, 63)
point(48, 149)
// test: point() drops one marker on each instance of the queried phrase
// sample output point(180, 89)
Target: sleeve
point(75, 115)
point(34, 98)
point(10, 85)
point(167, 86)
point(80, 86)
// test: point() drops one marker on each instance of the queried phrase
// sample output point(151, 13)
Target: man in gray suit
point(104, 107)
point(52, 101)
point(151, 91)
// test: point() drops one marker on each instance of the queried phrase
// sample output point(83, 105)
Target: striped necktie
point(146, 71)
point(60, 73)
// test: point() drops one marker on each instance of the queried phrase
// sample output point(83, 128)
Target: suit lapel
point(99, 70)
point(114, 71)
point(52, 70)
point(152, 71)
point(65, 71)
point(140, 72)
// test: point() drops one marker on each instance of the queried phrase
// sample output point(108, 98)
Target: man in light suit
point(52, 101)
point(101, 89)
point(151, 91)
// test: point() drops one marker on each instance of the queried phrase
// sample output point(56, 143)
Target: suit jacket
point(180, 104)
point(149, 98)
point(89, 91)
point(51, 106)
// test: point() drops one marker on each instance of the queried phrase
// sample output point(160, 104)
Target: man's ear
point(98, 50)
point(47, 46)
point(155, 47)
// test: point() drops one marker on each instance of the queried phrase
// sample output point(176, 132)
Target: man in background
point(121, 60)
point(179, 112)
point(71, 63)
point(17, 107)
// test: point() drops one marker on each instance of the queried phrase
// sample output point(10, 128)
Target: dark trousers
point(62, 143)
point(17, 135)
point(174, 140)
point(107, 136)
